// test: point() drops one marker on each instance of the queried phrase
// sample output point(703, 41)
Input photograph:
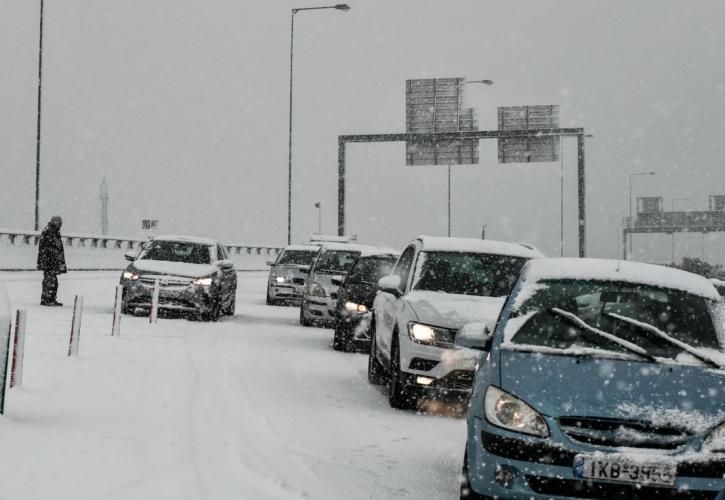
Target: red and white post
point(16, 371)
point(75, 329)
point(154, 313)
point(116, 327)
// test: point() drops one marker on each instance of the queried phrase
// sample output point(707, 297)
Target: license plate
point(625, 469)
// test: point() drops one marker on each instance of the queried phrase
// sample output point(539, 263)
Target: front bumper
point(319, 309)
point(285, 291)
point(186, 298)
point(544, 468)
point(356, 323)
point(445, 372)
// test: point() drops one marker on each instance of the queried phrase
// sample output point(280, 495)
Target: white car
point(437, 286)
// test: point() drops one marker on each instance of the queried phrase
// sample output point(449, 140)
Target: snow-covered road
point(252, 407)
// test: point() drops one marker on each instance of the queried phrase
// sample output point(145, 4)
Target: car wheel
point(229, 310)
point(341, 339)
point(270, 300)
point(375, 368)
point(303, 319)
point(399, 396)
point(125, 309)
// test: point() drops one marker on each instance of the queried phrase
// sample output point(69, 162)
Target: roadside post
point(154, 313)
point(75, 329)
point(5, 327)
point(16, 371)
point(116, 327)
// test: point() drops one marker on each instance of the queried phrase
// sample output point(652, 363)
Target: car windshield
point(336, 261)
point(176, 251)
point(563, 314)
point(467, 273)
point(297, 257)
point(371, 269)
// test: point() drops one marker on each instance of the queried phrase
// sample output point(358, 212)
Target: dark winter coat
point(50, 251)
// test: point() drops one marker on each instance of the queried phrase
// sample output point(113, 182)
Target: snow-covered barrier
point(19, 251)
point(5, 326)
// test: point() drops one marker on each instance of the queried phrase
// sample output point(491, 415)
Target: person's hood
point(557, 385)
point(164, 267)
point(452, 311)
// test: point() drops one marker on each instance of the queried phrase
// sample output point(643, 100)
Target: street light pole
point(630, 205)
point(672, 256)
point(343, 7)
point(37, 143)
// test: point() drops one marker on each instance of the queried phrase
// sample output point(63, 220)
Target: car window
point(371, 269)
point(682, 316)
point(485, 275)
point(336, 261)
point(403, 266)
point(176, 251)
point(296, 257)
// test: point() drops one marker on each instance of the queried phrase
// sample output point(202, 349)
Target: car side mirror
point(337, 280)
point(225, 265)
point(390, 284)
point(475, 336)
point(129, 256)
point(270, 262)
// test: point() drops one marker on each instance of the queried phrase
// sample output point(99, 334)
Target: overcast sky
point(183, 106)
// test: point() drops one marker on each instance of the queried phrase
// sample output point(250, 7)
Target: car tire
point(376, 371)
point(399, 396)
point(341, 338)
point(125, 309)
point(229, 310)
point(270, 300)
point(303, 319)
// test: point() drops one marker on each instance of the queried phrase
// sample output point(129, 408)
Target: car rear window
point(297, 257)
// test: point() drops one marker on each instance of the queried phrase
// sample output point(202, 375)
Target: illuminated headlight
point(509, 412)
point(128, 275)
point(431, 335)
point(281, 279)
point(203, 281)
point(315, 290)
point(356, 308)
point(715, 441)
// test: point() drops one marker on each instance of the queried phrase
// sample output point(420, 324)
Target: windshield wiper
point(576, 320)
point(653, 329)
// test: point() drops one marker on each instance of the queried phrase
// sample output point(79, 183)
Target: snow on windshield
point(176, 251)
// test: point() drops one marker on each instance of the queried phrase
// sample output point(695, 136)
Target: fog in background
point(183, 106)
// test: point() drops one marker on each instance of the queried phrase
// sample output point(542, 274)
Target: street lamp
point(672, 256)
point(458, 126)
point(340, 6)
point(561, 191)
point(37, 137)
point(630, 203)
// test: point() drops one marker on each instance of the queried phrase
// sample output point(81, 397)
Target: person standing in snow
point(51, 260)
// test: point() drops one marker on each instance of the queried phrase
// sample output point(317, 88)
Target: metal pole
point(561, 192)
point(627, 254)
point(340, 186)
point(289, 172)
point(319, 218)
point(37, 143)
point(449, 201)
point(582, 196)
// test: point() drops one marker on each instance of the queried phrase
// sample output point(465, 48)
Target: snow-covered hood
point(291, 271)
point(173, 268)
point(613, 388)
point(452, 310)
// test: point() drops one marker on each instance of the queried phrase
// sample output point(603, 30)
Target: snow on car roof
point(352, 247)
point(309, 248)
point(189, 239)
point(372, 252)
point(619, 270)
point(472, 245)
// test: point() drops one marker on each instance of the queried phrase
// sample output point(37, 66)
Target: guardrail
point(93, 251)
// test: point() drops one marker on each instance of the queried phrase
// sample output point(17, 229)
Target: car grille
point(618, 432)
point(460, 380)
point(165, 282)
point(298, 281)
point(422, 364)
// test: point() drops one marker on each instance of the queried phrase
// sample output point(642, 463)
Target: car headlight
point(715, 441)
point(281, 279)
point(431, 335)
point(356, 308)
point(510, 413)
point(128, 275)
point(315, 290)
point(203, 281)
